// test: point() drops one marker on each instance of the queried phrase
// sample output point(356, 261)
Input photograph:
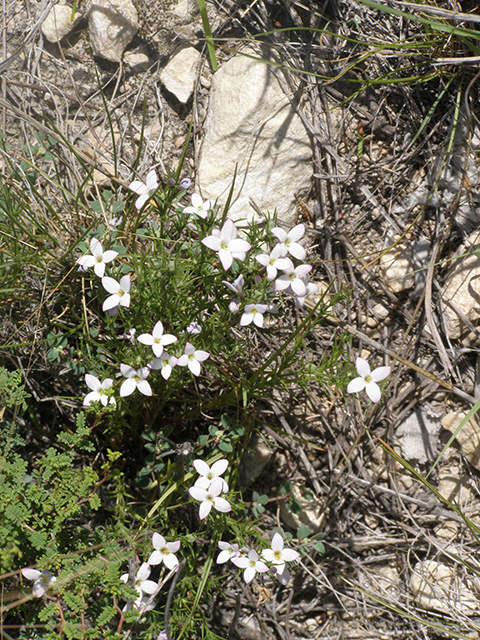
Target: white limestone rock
point(251, 125)
point(59, 23)
point(437, 586)
point(462, 289)
point(418, 435)
point(310, 513)
point(138, 61)
point(468, 437)
point(180, 73)
point(397, 267)
point(112, 25)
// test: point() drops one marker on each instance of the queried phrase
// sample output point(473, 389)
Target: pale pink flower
point(274, 261)
point(199, 207)
point(226, 243)
point(164, 552)
point(98, 259)
point(192, 358)
point(293, 278)
point(157, 339)
point(144, 189)
point(251, 564)
point(210, 498)
point(368, 380)
point(253, 313)
point(142, 583)
point(98, 391)
point(119, 290)
point(209, 474)
point(227, 552)
point(288, 241)
point(278, 555)
point(41, 580)
point(135, 379)
point(165, 363)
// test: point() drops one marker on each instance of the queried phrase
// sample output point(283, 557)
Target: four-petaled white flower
point(210, 498)
point(98, 391)
point(119, 290)
point(98, 259)
point(144, 189)
point(199, 207)
point(157, 340)
point(194, 328)
point(253, 312)
point(165, 363)
point(288, 241)
point(278, 556)
point(135, 379)
point(164, 552)
point(42, 580)
point(368, 380)
point(227, 552)
point(274, 261)
point(310, 287)
point(294, 278)
point(192, 358)
point(209, 474)
point(251, 564)
point(226, 243)
point(142, 583)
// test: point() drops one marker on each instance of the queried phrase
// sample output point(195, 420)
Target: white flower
point(142, 583)
point(199, 207)
point(251, 564)
point(226, 243)
point(310, 287)
point(289, 242)
point(156, 339)
point(136, 379)
point(278, 555)
point(293, 278)
point(98, 391)
point(142, 604)
point(164, 552)
point(192, 358)
point(368, 380)
point(119, 290)
point(144, 189)
point(253, 312)
point(98, 259)
point(42, 580)
point(274, 261)
point(209, 474)
point(227, 552)
point(210, 498)
point(165, 364)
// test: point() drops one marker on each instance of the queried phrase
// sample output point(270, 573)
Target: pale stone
point(254, 460)
point(251, 126)
point(397, 268)
point(59, 23)
point(180, 74)
point(462, 289)
point(310, 515)
point(439, 587)
point(112, 25)
point(138, 61)
point(468, 437)
point(418, 435)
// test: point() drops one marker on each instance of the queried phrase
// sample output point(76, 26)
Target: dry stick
point(181, 566)
point(376, 345)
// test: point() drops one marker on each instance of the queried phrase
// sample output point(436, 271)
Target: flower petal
point(363, 368)
point(356, 385)
point(380, 373)
point(373, 391)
